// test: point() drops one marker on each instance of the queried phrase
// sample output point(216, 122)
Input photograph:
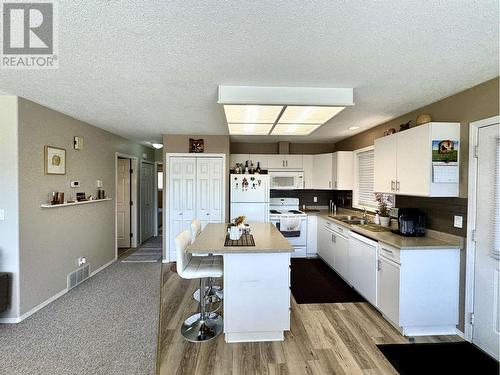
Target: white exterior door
point(486, 329)
point(209, 190)
point(123, 203)
point(147, 201)
point(182, 198)
point(385, 177)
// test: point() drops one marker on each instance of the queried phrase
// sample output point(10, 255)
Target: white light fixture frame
point(307, 96)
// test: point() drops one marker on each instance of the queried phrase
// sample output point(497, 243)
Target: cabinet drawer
point(389, 251)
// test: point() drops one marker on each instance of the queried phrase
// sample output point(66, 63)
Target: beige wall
point(214, 144)
point(51, 240)
point(476, 103)
point(272, 148)
point(9, 199)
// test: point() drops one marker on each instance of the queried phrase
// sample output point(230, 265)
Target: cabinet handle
point(335, 184)
point(286, 163)
point(334, 238)
point(330, 184)
point(379, 265)
point(397, 185)
point(393, 185)
point(208, 213)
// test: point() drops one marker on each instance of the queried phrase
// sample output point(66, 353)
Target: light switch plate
point(315, 199)
point(2, 215)
point(458, 221)
point(75, 184)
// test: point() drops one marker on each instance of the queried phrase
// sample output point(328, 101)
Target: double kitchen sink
point(357, 220)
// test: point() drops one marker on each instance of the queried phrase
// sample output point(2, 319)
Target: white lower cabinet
point(312, 237)
point(415, 289)
point(388, 289)
point(325, 241)
point(418, 289)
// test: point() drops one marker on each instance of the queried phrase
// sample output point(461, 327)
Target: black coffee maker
point(411, 222)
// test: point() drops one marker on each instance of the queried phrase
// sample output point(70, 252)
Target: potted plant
point(382, 201)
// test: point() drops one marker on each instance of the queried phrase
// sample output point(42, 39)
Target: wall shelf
point(46, 205)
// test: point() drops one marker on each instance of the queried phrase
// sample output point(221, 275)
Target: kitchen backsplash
point(343, 198)
point(439, 212)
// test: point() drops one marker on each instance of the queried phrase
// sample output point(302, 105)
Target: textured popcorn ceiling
point(145, 68)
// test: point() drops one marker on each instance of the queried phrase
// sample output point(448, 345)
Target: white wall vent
point(76, 277)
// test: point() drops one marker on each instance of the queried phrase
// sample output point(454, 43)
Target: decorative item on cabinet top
point(423, 118)
point(247, 168)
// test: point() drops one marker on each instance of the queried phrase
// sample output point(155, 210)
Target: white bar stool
point(202, 326)
point(213, 293)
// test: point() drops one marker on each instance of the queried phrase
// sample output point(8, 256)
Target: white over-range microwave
point(287, 180)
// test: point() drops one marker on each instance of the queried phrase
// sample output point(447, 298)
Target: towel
point(289, 224)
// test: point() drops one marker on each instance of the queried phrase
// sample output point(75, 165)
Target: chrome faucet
point(365, 218)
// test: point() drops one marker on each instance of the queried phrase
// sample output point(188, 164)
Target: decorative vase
point(385, 221)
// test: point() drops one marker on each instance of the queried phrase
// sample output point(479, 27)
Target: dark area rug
point(439, 358)
point(314, 282)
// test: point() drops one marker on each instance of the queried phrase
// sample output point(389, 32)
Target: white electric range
point(284, 213)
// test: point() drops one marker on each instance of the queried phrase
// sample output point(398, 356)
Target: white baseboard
point(460, 333)
point(102, 267)
point(47, 301)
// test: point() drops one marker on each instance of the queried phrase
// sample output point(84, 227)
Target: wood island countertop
point(268, 239)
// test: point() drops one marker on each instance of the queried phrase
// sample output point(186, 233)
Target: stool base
point(194, 329)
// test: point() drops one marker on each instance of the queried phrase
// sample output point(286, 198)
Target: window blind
point(365, 179)
point(495, 253)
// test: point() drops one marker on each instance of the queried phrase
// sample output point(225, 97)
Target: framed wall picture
point(196, 145)
point(55, 160)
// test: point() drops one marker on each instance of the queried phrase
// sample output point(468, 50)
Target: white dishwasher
point(363, 265)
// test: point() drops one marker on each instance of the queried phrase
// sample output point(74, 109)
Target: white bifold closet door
point(195, 192)
point(182, 197)
point(209, 190)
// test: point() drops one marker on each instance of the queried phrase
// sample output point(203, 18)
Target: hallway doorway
point(125, 203)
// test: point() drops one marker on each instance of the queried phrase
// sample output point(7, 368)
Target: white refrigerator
point(249, 196)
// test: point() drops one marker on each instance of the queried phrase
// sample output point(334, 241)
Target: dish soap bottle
point(377, 218)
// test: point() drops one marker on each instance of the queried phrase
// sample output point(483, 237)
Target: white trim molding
point(471, 221)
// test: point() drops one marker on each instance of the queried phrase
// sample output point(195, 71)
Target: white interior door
point(147, 201)
point(486, 329)
point(209, 190)
point(123, 203)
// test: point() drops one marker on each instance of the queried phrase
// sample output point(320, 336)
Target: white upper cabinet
point(385, 170)
point(322, 171)
point(285, 161)
point(333, 171)
point(343, 170)
point(406, 164)
point(307, 166)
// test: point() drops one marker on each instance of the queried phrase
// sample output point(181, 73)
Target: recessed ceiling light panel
point(252, 114)
point(354, 127)
point(308, 114)
point(294, 129)
point(249, 129)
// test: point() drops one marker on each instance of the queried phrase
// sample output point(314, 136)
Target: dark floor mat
point(439, 358)
point(314, 282)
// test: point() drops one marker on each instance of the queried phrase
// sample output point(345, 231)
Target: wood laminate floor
point(324, 339)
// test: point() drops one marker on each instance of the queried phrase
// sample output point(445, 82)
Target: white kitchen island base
point(256, 296)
